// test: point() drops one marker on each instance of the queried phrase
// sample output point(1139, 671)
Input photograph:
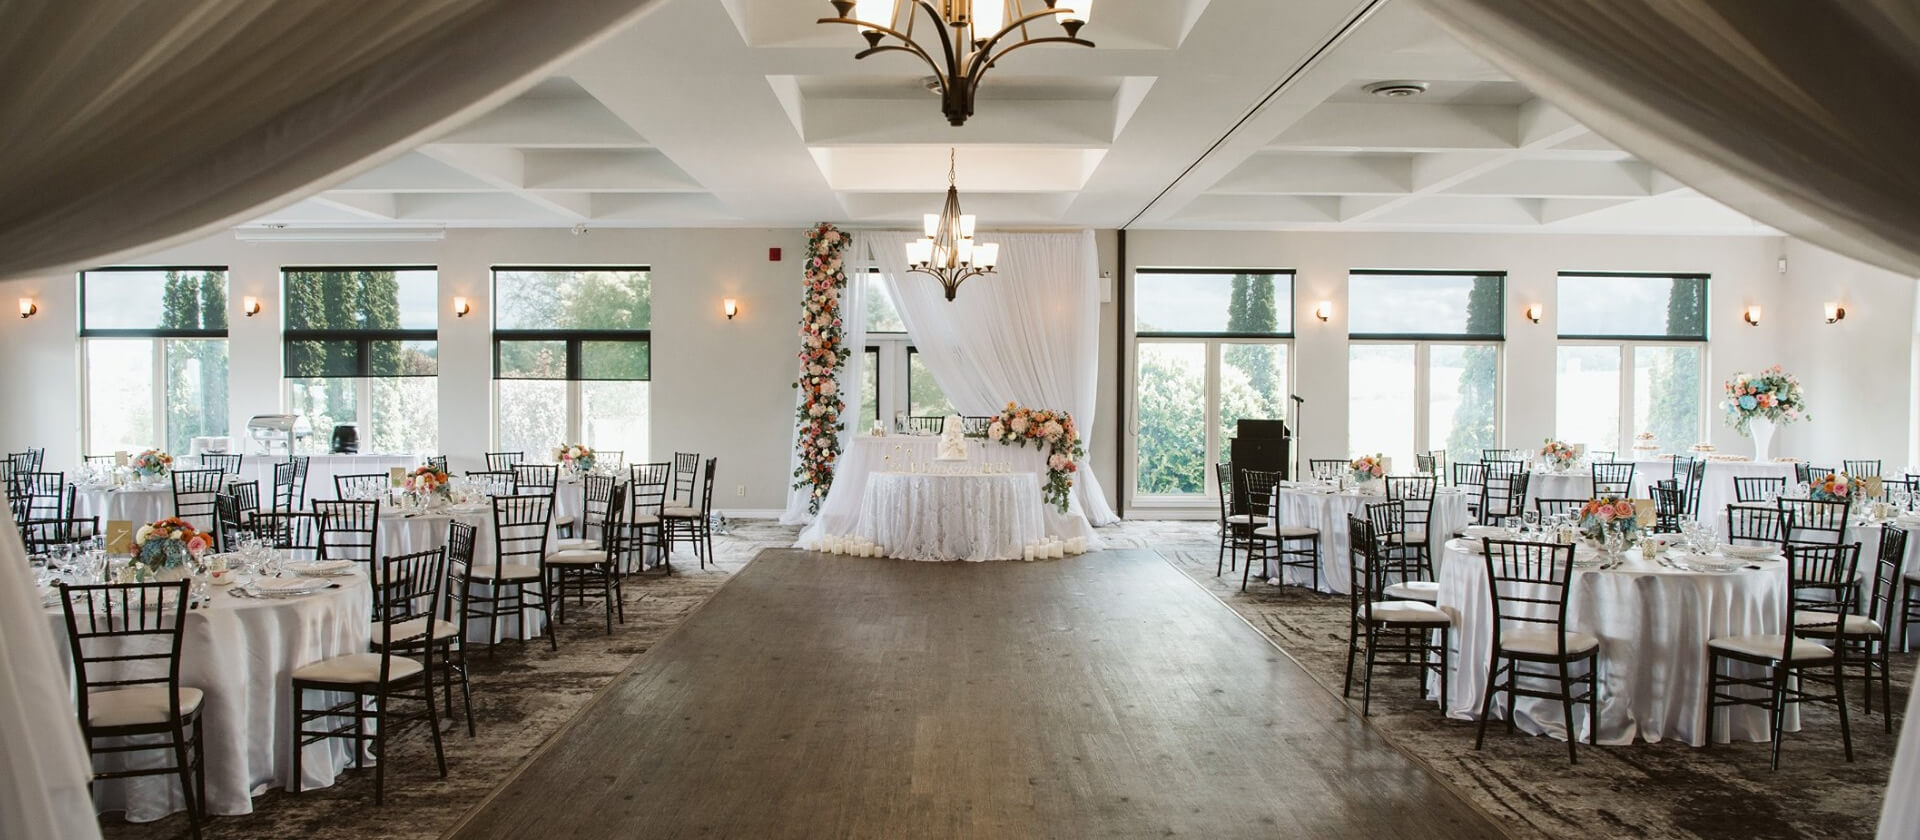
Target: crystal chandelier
point(983, 31)
point(949, 254)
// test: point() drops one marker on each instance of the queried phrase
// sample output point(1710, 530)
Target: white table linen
point(44, 760)
point(320, 471)
point(1653, 623)
point(1716, 483)
point(973, 517)
point(1574, 484)
point(242, 653)
point(138, 505)
point(840, 510)
point(1313, 507)
point(406, 534)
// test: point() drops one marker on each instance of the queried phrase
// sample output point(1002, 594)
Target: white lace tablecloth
point(138, 505)
point(1328, 511)
point(1653, 623)
point(917, 516)
point(242, 653)
point(840, 511)
point(404, 534)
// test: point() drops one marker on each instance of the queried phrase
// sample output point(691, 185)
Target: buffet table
point(242, 651)
point(1653, 622)
point(841, 512)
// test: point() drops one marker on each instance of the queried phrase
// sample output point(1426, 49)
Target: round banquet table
point(242, 653)
point(1572, 484)
point(405, 533)
point(1653, 622)
point(1316, 506)
point(138, 505)
point(965, 516)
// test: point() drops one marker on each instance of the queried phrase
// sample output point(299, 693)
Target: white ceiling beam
point(1301, 174)
point(1260, 210)
point(549, 122)
point(413, 172)
point(605, 170)
point(506, 168)
point(1568, 179)
point(846, 122)
point(1552, 210)
point(379, 207)
point(1402, 126)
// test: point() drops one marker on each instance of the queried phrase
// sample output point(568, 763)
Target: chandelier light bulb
point(986, 18)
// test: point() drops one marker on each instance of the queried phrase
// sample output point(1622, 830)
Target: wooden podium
point(1257, 445)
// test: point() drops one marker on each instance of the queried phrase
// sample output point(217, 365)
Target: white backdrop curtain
point(129, 126)
point(46, 792)
point(853, 318)
point(1800, 114)
point(1027, 333)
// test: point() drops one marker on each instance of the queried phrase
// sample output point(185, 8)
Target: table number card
point(1874, 485)
point(397, 475)
point(119, 536)
point(120, 458)
point(1643, 512)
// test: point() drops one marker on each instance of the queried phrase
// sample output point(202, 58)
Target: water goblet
point(1530, 522)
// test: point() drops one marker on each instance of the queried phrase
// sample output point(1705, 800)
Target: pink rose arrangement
point(1835, 487)
point(166, 544)
point(1369, 468)
point(1559, 454)
point(1017, 425)
point(1609, 514)
point(823, 352)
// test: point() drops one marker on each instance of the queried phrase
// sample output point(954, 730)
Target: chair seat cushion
point(677, 512)
point(1821, 624)
point(573, 545)
point(1286, 532)
point(509, 572)
point(1243, 519)
point(412, 632)
point(1406, 612)
point(1770, 645)
point(1413, 590)
point(644, 519)
point(138, 706)
point(1415, 535)
point(563, 520)
point(355, 669)
point(1542, 642)
point(577, 557)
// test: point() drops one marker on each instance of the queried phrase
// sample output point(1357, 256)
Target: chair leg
point(186, 775)
point(1777, 711)
point(1840, 698)
point(299, 705)
point(1445, 646)
point(1886, 684)
point(1486, 700)
point(380, 749)
point(1220, 559)
point(1353, 644)
point(1566, 710)
point(433, 719)
point(1366, 679)
point(1593, 701)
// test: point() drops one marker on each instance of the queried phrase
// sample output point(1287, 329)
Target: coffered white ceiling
point(1190, 114)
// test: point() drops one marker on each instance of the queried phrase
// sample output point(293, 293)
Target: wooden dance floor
point(1103, 696)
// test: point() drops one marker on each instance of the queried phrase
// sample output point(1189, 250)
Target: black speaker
point(1257, 445)
point(346, 439)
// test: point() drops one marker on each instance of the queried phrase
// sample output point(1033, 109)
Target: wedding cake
point(953, 442)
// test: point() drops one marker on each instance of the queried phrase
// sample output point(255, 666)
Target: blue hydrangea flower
point(1747, 402)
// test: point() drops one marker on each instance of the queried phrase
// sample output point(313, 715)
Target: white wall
point(1744, 271)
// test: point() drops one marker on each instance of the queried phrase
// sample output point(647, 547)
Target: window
point(573, 358)
point(155, 355)
point(901, 383)
point(1424, 363)
point(362, 347)
point(1631, 359)
point(1211, 348)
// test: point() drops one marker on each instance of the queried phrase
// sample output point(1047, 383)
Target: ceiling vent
point(1397, 90)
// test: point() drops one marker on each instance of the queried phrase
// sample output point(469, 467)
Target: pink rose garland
point(823, 352)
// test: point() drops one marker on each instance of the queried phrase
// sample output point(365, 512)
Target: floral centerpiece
point(1559, 454)
point(1019, 425)
point(1835, 487)
point(152, 463)
point(160, 548)
point(1756, 402)
point(1609, 515)
point(428, 482)
point(574, 456)
point(1368, 468)
point(823, 352)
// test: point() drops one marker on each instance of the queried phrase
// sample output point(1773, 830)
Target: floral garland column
point(823, 352)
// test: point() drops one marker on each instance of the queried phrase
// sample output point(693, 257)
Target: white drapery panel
point(1027, 333)
point(48, 789)
point(131, 126)
point(1801, 115)
point(853, 320)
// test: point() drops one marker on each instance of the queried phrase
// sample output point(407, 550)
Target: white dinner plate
point(1479, 532)
point(1704, 562)
point(321, 568)
point(286, 587)
point(1749, 551)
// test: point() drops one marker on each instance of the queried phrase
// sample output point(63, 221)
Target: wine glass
point(1530, 522)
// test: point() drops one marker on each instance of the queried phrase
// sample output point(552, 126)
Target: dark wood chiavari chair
point(228, 529)
point(506, 588)
point(350, 530)
point(1405, 570)
point(693, 523)
point(1691, 476)
point(100, 463)
point(1558, 507)
point(504, 461)
point(610, 461)
point(362, 486)
point(295, 532)
point(535, 479)
point(1814, 522)
point(1417, 492)
point(596, 499)
point(1383, 624)
point(493, 482)
point(925, 425)
point(193, 492)
point(581, 569)
point(1472, 480)
point(1871, 629)
point(406, 597)
point(1271, 540)
point(1504, 491)
point(686, 473)
point(438, 462)
point(229, 464)
point(125, 641)
point(1236, 529)
point(648, 492)
point(1862, 468)
point(453, 652)
point(1669, 505)
point(1810, 474)
point(1755, 525)
point(1528, 584)
point(1328, 469)
point(1610, 479)
point(1758, 488)
point(1820, 587)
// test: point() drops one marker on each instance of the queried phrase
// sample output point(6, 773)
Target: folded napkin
point(320, 567)
point(286, 586)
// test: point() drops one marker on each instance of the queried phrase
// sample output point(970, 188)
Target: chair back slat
point(649, 488)
point(229, 464)
point(504, 461)
point(350, 530)
point(686, 467)
point(362, 486)
point(125, 634)
point(1863, 468)
point(1669, 505)
point(1556, 507)
point(1889, 569)
point(1223, 480)
point(535, 479)
point(1528, 583)
point(1821, 587)
point(493, 482)
point(1416, 493)
point(1364, 585)
point(520, 526)
point(1328, 469)
point(408, 588)
point(598, 492)
point(1260, 486)
point(1814, 522)
point(1810, 474)
point(1612, 479)
point(1758, 488)
point(193, 492)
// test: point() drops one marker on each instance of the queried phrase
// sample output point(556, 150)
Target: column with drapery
point(853, 316)
point(1028, 333)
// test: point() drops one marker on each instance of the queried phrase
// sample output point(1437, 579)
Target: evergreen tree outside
point(1674, 386)
point(1474, 422)
point(325, 374)
point(196, 369)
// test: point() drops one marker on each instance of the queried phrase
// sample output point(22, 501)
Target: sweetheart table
point(966, 516)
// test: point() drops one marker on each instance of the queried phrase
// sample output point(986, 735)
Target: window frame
point(1706, 306)
point(156, 338)
point(573, 339)
point(1423, 387)
point(1628, 380)
point(1213, 345)
point(1439, 337)
point(363, 340)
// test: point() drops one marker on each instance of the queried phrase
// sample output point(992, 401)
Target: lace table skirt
point(952, 517)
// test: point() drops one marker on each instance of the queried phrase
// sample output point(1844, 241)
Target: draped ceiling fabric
point(129, 126)
point(45, 774)
point(1800, 114)
point(1027, 333)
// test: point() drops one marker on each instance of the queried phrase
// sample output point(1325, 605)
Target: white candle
point(1029, 554)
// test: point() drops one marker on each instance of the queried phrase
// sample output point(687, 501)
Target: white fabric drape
point(1801, 115)
point(853, 321)
point(132, 126)
point(1028, 333)
point(47, 773)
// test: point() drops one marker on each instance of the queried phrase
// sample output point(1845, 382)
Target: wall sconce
point(1752, 315)
point(731, 307)
point(250, 305)
point(1323, 310)
point(461, 307)
point(1835, 313)
point(1534, 311)
point(28, 308)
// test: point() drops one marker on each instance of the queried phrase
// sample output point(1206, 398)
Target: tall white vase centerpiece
point(1755, 405)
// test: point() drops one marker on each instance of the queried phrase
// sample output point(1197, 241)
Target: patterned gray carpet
point(527, 694)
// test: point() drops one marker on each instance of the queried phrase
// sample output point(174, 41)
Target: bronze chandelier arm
point(906, 44)
point(977, 71)
point(987, 48)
